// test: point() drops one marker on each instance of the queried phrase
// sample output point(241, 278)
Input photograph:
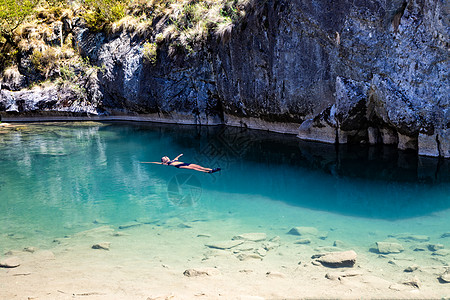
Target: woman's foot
point(215, 170)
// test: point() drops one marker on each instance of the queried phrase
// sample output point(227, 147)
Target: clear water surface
point(58, 179)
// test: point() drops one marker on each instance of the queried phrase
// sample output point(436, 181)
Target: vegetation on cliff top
point(34, 33)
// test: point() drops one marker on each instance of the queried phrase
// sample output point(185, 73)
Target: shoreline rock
point(10, 262)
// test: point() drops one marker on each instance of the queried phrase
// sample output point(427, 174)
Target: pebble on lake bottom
point(201, 271)
point(102, 246)
point(255, 237)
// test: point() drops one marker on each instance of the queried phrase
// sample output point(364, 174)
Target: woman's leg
point(199, 168)
point(196, 168)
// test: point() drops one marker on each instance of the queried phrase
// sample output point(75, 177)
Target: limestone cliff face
point(359, 71)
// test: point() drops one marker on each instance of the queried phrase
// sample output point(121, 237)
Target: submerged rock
point(244, 256)
point(270, 245)
point(261, 252)
point(200, 272)
point(303, 241)
point(247, 246)
point(225, 244)
point(445, 235)
point(445, 278)
point(411, 268)
point(340, 275)
point(411, 237)
point(388, 247)
point(328, 249)
point(441, 252)
point(339, 244)
point(414, 282)
point(275, 274)
point(275, 239)
point(102, 246)
point(10, 262)
point(435, 247)
point(337, 259)
point(184, 225)
point(30, 249)
point(304, 231)
point(308, 231)
point(129, 225)
point(421, 247)
point(203, 235)
point(255, 237)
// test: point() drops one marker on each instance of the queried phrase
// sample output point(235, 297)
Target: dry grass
point(11, 73)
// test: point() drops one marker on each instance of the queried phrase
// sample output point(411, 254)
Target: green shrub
point(67, 73)
point(44, 61)
point(150, 52)
point(13, 13)
point(100, 14)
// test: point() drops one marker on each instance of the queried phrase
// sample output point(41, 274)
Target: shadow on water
point(364, 181)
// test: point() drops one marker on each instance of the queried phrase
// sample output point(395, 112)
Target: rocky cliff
point(344, 71)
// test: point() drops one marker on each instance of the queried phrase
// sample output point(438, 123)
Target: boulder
point(445, 235)
point(337, 259)
point(10, 262)
point(389, 247)
point(225, 244)
point(255, 237)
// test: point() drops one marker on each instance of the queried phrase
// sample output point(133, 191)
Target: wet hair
point(164, 158)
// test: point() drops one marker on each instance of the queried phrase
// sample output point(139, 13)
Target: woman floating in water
point(165, 160)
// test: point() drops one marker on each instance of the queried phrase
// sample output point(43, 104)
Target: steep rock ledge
point(372, 72)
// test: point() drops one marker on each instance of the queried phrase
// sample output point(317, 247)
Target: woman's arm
point(151, 162)
point(176, 158)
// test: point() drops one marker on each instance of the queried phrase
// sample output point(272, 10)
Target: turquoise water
point(62, 178)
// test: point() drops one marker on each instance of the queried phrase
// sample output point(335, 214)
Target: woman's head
point(165, 159)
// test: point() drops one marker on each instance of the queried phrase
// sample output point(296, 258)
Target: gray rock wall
point(359, 71)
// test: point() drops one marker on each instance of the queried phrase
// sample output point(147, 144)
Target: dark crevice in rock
point(398, 16)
